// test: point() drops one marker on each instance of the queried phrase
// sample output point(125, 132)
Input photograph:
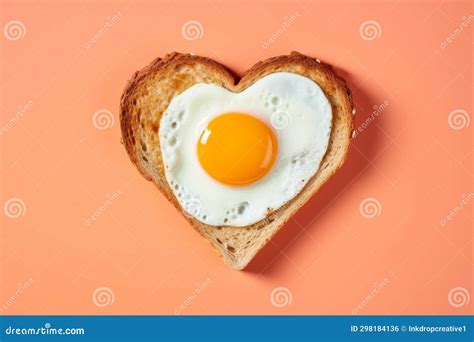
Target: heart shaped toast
point(237, 156)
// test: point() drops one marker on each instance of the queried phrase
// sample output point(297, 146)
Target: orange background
point(329, 257)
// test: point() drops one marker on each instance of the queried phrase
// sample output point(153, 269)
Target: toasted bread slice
point(148, 94)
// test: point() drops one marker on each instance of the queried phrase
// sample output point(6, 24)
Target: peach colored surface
point(83, 233)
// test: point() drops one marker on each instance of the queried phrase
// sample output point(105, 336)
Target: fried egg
point(231, 158)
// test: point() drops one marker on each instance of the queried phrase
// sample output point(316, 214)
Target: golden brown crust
point(141, 108)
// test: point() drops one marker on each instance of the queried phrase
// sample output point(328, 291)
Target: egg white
point(297, 109)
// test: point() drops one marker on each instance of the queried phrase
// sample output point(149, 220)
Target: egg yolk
point(237, 149)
